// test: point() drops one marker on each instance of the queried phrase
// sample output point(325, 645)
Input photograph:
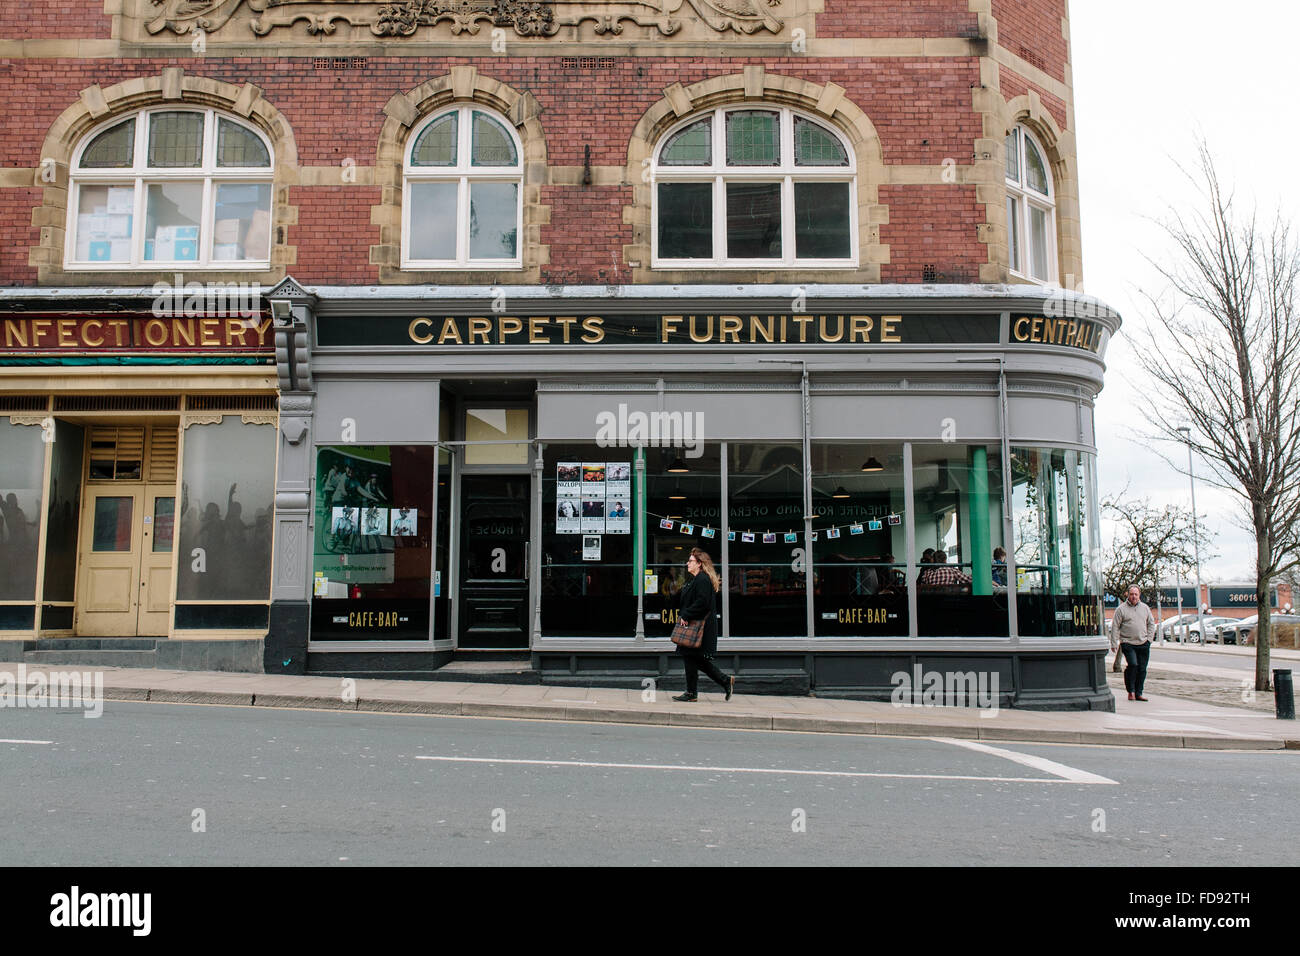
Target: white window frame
point(140, 176)
point(787, 174)
point(1028, 198)
point(464, 174)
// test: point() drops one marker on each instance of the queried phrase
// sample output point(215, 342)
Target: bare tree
point(1222, 358)
point(1150, 545)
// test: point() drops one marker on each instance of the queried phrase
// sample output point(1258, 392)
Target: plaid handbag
point(689, 634)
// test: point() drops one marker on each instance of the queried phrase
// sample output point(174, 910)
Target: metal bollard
point(1283, 694)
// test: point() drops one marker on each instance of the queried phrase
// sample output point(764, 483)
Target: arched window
point(754, 186)
point(168, 187)
point(464, 182)
point(1031, 208)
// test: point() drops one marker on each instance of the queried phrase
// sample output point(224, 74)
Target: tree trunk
point(1263, 626)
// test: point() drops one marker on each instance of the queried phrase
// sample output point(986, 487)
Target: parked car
point(1211, 629)
point(1172, 628)
point(1284, 629)
point(1236, 631)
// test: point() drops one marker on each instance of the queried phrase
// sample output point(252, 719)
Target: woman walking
point(699, 602)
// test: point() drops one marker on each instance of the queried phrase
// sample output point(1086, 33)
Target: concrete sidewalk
point(1160, 722)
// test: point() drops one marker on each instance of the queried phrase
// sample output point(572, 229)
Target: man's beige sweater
point(1132, 624)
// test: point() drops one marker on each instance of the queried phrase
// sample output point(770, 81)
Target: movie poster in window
point(618, 479)
point(568, 479)
point(568, 515)
point(593, 515)
point(618, 515)
point(593, 479)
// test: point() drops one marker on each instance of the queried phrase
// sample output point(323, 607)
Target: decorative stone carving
point(405, 18)
point(259, 418)
point(200, 418)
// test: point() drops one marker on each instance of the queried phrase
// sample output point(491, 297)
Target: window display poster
point(374, 520)
point(568, 479)
point(618, 479)
point(593, 515)
point(404, 522)
point(568, 516)
point(618, 517)
point(591, 547)
point(345, 521)
point(593, 479)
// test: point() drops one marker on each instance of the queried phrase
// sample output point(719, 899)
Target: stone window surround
point(403, 113)
point(755, 85)
point(96, 106)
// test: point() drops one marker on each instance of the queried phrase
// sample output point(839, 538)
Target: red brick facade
point(922, 109)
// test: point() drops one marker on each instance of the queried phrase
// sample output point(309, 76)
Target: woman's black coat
point(699, 600)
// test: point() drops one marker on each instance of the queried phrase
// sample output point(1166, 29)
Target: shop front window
point(22, 474)
point(227, 494)
point(683, 511)
point(961, 567)
point(860, 553)
point(373, 543)
point(1055, 508)
point(765, 577)
point(587, 542)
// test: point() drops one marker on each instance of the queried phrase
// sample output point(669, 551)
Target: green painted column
point(638, 521)
point(1047, 475)
point(1077, 579)
point(978, 503)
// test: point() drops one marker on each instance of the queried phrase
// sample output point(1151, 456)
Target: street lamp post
point(1186, 432)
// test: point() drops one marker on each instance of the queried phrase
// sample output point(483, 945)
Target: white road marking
point(803, 773)
point(6, 741)
point(1069, 774)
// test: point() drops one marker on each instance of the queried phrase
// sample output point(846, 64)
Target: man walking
point(1132, 628)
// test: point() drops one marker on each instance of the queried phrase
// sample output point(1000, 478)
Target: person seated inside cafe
point(943, 575)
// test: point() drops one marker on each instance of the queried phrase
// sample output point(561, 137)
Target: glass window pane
point(821, 221)
point(497, 425)
point(227, 495)
point(584, 598)
point(175, 140)
point(493, 220)
point(765, 499)
point(1055, 519)
point(1035, 168)
point(164, 524)
point(172, 215)
point(1013, 232)
point(860, 555)
point(814, 145)
point(239, 146)
point(112, 149)
point(112, 528)
point(433, 220)
point(493, 146)
point(753, 138)
point(958, 527)
point(686, 220)
point(373, 543)
point(437, 143)
point(1013, 156)
point(242, 225)
point(1038, 242)
point(22, 476)
point(692, 146)
point(105, 218)
point(753, 220)
point(64, 511)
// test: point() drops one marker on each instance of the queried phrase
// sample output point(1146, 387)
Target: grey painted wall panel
point(385, 412)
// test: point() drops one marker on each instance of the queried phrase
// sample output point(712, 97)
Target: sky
point(1149, 77)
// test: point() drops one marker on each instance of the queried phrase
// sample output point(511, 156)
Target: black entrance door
point(494, 562)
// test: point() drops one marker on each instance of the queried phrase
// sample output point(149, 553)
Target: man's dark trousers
point(1135, 673)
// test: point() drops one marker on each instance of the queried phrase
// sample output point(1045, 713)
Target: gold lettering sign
point(1065, 332)
point(137, 334)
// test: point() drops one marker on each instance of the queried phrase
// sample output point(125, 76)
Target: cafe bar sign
point(127, 332)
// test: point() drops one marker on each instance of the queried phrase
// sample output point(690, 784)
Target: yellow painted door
point(109, 593)
point(159, 533)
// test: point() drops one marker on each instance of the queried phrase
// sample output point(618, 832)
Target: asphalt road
point(333, 788)
point(1242, 660)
